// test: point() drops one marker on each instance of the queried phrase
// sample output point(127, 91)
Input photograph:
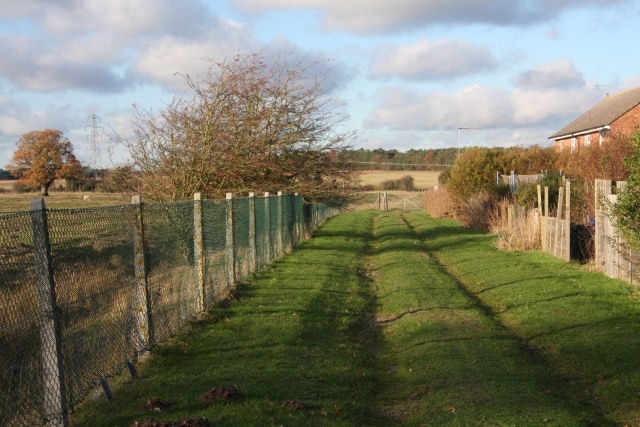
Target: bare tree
point(248, 125)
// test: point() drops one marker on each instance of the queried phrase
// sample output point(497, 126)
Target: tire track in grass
point(447, 361)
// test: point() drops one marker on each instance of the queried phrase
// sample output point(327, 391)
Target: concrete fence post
point(198, 253)
point(230, 247)
point(143, 330)
point(252, 233)
point(54, 409)
point(297, 234)
point(280, 232)
point(267, 229)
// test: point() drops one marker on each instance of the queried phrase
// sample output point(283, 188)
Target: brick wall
point(625, 125)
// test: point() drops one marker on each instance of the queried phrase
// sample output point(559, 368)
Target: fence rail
point(85, 292)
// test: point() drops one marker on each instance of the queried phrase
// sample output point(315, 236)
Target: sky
point(409, 74)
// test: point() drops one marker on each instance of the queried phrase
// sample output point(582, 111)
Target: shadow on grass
point(304, 344)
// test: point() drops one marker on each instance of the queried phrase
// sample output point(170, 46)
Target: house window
point(574, 143)
point(587, 140)
point(604, 134)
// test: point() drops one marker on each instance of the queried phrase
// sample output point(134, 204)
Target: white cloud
point(161, 60)
point(385, 16)
point(476, 106)
point(425, 60)
point(123, 17)
point(109, 46)
point(33, 64)
point(481, 106)
point(559, 74)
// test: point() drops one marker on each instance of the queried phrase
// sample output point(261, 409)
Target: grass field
point(421, 179)
point(62, 200)
point(10, 201)
point(397, 318)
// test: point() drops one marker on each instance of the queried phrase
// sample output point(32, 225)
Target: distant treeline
point(380, 159)
point(5, 175)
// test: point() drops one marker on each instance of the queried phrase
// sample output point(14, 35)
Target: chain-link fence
point(84, 292)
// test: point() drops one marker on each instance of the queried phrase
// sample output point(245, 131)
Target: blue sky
point(409, 73)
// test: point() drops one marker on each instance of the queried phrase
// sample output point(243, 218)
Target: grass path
point(453, 361)
point(388, 318)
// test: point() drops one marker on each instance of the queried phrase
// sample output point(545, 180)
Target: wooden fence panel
point(555, 232)
point(612, 257)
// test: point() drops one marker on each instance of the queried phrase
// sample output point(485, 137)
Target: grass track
point(399, 318)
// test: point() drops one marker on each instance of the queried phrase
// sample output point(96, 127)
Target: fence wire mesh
point(93, 272)
point(83, 292)
point(20, 362)
point(168, 240)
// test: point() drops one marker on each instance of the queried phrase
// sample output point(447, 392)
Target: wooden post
point(557, 241)
point(541, 219)
point(231, 262)
point(198, 253)
point(546, 201)
point(54, 410)
point(602, 192)
point(539, 188)
point(252, 233)
point(547, 225)
point(144, 331)
point(566, 237)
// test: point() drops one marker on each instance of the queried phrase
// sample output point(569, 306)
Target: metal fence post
point(252, 232)
point(143, 331)
point(231, 262)
point(54, 409)
point(198, 253)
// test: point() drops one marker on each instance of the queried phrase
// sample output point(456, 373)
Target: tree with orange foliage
point(42, 157)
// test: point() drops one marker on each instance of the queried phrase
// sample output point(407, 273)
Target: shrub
point(401, 184)
point(438, 202)
point(444, 176)
point(476, 211)
point(518, 230)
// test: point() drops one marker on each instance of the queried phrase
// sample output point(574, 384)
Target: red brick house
point(617, 114)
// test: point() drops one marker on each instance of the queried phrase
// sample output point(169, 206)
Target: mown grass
point(292, 343)
point(581, 325)
point(388, 318)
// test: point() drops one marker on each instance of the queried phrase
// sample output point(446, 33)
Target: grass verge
point(294, 345)
point(397, 318)
point(582, 326)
